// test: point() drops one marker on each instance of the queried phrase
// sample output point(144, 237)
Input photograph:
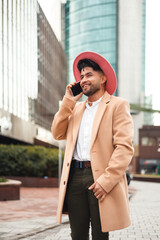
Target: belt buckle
point(80, 164)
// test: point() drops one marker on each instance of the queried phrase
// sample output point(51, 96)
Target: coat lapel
point(99, 114)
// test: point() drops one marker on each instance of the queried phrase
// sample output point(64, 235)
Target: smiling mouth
point(85, 86)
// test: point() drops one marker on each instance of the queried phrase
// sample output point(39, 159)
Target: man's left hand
point(99, 192)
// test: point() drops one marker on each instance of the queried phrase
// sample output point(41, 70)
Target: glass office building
point(52, 73)
point(33, 73)
point(90, 26)
point(18, 62)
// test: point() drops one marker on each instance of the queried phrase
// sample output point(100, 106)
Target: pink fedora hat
point(104, 65)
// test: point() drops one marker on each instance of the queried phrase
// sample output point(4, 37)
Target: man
point(99, 148)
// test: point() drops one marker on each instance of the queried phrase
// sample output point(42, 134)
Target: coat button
point(64, 182)
point(67, 164)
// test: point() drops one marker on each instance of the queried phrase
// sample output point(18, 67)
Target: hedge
point(30, 161)
point(3, 179)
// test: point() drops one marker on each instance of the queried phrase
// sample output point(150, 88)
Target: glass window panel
point(93, 36)
point(82, 4)
point(5, 56)
point(144, 141)
point(14, 59)
point(10, 60)
point(18, 62)
point(96, 23)
point(92, 12)
point(152, 141)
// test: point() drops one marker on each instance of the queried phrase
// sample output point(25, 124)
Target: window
point(152, 141)
point(149, 141)
point(144, 141)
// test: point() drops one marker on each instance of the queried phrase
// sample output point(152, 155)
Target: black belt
point(80, 164)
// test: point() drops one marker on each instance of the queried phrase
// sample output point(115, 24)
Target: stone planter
point(146, 178)
point(10, 190)
point(37, 181)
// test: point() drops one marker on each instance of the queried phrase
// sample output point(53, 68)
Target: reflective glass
point(19, 58)
point(76, 4)
point(10, 56)
point(5, 56)
point(29, 87)
point(88, 24)
point(91, 26)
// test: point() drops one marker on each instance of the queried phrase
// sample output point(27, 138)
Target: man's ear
point(104, 79)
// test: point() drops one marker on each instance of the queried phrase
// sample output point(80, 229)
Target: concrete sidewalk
point(25, 228)
point(37, 214)
point(34, 212)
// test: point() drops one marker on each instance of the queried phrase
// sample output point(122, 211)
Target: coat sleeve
point(122, 147)
point(61, 119)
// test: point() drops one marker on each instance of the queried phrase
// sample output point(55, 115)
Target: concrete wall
point(130, 50)
point(130, 57)
point(25, 131)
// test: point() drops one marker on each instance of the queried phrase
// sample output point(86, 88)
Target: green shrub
point(35, 161)
point(3, 179)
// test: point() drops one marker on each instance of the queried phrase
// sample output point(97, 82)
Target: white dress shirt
point(82, 147)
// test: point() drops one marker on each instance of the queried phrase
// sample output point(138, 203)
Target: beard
point(92, 90)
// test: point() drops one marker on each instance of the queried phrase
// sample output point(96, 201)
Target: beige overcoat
point(111, 151)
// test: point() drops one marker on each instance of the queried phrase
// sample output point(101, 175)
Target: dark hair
point(88, 63)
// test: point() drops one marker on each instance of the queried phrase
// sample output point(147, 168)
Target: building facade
point(149, 149)
point(33, 69)
point(115, 29)
point(52, 72)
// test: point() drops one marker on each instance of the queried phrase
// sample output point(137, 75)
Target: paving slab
point(144, 207)
point(33, 203)
point(26, 228)
point(145, 217)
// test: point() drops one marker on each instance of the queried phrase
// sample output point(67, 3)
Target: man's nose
point(83, 80)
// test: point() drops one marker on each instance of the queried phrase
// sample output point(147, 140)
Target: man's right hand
point(69, 95)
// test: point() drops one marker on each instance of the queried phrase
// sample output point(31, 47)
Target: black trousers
point(83, 206)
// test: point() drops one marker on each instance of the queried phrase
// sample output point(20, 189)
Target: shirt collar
point(94, 103)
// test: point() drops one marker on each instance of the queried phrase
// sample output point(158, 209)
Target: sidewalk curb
point(34, 232)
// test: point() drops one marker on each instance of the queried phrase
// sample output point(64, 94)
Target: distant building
point(115, 29)
point(52, 72)
point(149, 149)
point(33, 73)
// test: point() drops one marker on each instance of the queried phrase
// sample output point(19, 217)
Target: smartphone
point(76, 89)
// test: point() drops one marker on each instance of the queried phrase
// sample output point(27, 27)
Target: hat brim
point(104, 65)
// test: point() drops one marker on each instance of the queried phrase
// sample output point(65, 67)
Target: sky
point(51, 9)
